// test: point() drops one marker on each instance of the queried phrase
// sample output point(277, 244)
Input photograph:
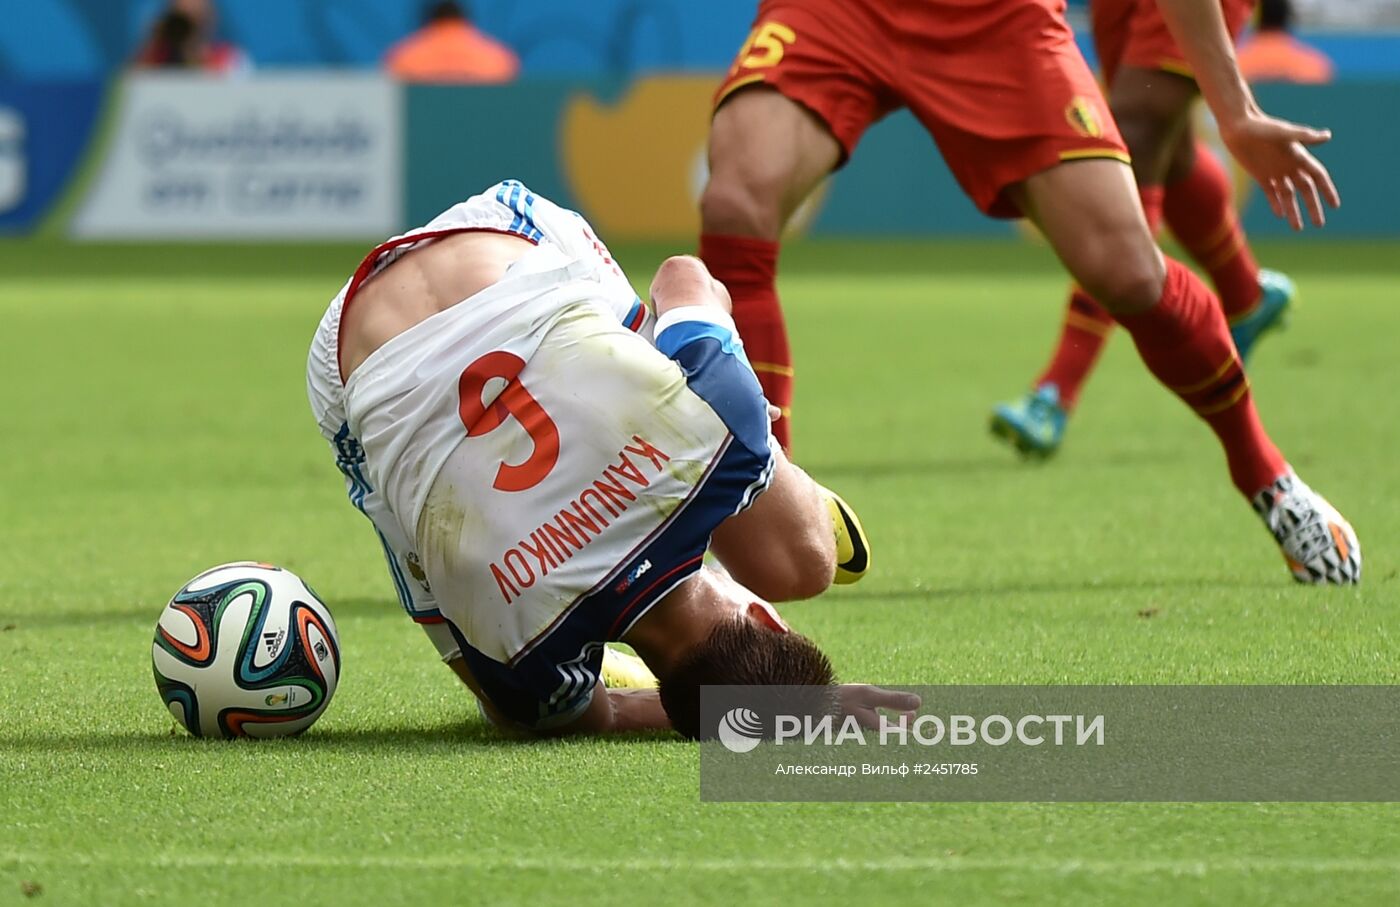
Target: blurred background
point(350, 119)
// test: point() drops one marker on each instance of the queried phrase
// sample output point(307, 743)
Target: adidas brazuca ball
point(246, 650)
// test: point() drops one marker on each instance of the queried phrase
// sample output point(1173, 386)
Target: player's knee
point(1125, 279)
point(1117, 262)
point(740, 204)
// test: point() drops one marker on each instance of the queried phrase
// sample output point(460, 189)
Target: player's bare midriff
point(421, 284)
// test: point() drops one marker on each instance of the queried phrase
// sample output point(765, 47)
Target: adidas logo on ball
point(227, 662)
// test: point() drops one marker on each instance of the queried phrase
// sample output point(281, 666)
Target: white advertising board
point(193, 157)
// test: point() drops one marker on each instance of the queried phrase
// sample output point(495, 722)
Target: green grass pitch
point(154, 423)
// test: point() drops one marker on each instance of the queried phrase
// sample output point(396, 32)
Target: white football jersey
point(539, 468)
point(508, 207)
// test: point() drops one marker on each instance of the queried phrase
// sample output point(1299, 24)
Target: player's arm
point(618, 712)
point(691, 306)
point(608, 711)
point(1270, 149)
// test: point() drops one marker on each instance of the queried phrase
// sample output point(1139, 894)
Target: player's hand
point(865, 701)
point(1272, 151)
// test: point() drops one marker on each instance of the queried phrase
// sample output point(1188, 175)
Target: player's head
point(200, 12)
point(753, 648)
point(1275, 15)
point(446, 11)
point(174, 41)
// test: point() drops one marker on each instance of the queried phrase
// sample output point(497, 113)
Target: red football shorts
point(1133, 33)
point(999, 84)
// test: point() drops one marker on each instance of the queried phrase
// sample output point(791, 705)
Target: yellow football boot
point(852, 544)
point(622, 671)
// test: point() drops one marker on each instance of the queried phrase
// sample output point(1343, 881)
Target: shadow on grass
point(462, 735)
point(375, 607)
point(994, 463)
point(1059, 587)
point(360, 607)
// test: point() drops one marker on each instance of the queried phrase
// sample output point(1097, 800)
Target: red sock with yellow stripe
point(1088, 325)
point(1185, 342)
point(748, 267)
point(1082, 337)
point(1200, 210)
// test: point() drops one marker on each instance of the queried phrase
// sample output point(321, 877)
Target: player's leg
point(1089, 213)
point(767, 153)
point(802, 90)
point(1151, 95)
point(1048, 151)
point(1199, 208)
point(1152, 109)
point(1103, 237)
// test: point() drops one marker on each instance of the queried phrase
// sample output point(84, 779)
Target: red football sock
point(1185, 342)
point(1085, 331)
point(748, 268)
point(1088, 325)
point(1200, 210)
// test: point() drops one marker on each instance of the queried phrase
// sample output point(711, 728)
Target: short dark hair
point(443, 10)
point(740, 653)
point(174, 32)
point(1275, 15)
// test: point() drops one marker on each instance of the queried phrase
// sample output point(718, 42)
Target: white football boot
point(1318, 543)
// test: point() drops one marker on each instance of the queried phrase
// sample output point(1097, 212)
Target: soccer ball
point(246, 650)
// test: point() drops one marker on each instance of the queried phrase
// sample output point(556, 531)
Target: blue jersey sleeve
point(543, 689)
point(702, 340)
